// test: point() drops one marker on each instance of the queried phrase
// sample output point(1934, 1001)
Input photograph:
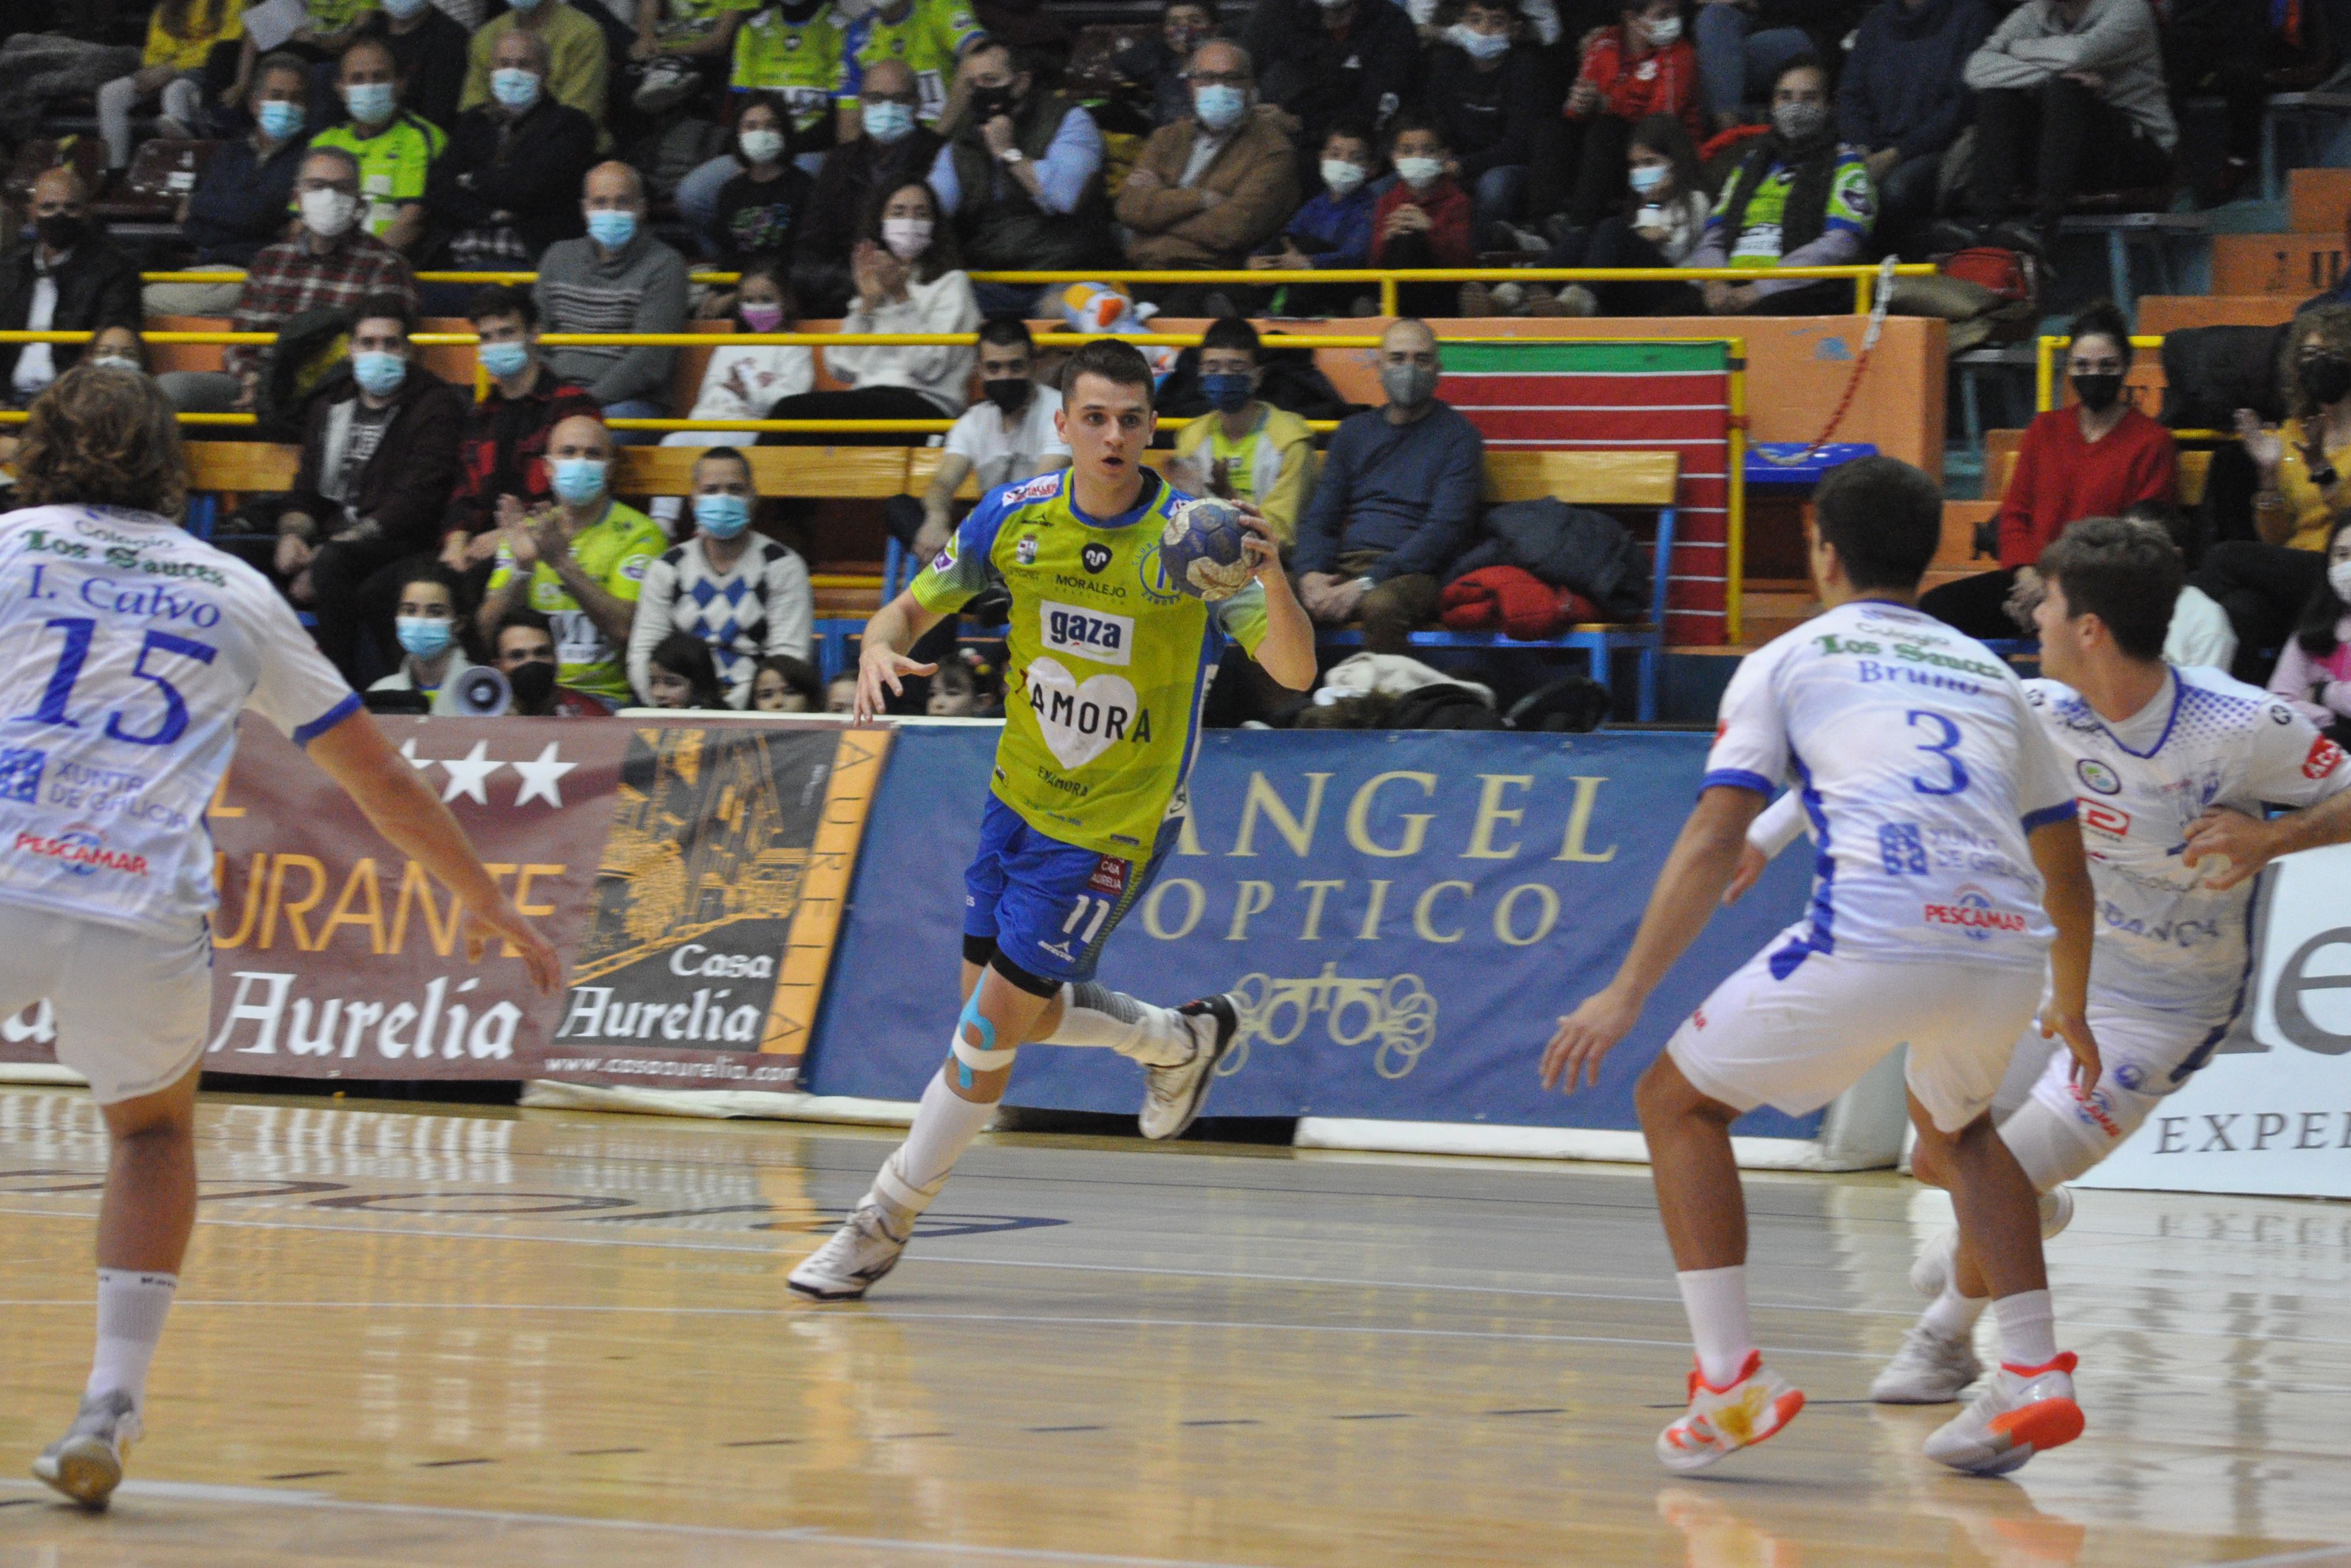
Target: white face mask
point(1664, 31)
point(906, 237)
point(1344, 178)
point(327, 214)
point(1420, 174)
point(2338, 578)
point(762, 146)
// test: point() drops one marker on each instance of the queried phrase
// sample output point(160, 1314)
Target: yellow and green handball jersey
point(1108, 663)
point(393, 163)
point(804, 63)
point(334, 16)
point(930, 39)
point(615, 550)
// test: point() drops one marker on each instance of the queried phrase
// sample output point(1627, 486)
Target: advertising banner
point(1403, 916)
point(691, 874)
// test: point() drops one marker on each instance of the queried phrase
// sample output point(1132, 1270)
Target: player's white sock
point(1953, 1315)
point(131, 1306)
point(945, 1124)
point(1716, 1300)
point(1113, 1020)
point(2028, 1328)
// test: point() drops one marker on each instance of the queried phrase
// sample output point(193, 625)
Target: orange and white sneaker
point(1740, 1414)
point(2022, 1411)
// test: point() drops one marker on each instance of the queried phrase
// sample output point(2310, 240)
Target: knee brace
point(2049, 1148)
point(983, 1057)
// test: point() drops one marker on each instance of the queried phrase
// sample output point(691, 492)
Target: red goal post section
point(1680, 396)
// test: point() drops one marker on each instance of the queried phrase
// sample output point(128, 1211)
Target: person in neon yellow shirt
point(1247, 449)
point(395, 149)
point(928, 36)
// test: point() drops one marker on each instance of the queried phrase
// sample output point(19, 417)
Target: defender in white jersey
point(1949, 860)
point(133, 648)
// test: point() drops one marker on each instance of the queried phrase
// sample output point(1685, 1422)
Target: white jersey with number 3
point(1921, 771)
point(131, 649)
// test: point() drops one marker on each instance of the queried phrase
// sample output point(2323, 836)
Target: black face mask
point(2326, 378)
point(2099, 393)
point(62, 231)
point(533, 684)
point(988, 102)
point(1007, 393)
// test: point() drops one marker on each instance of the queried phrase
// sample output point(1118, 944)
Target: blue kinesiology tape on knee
point(984, 1056)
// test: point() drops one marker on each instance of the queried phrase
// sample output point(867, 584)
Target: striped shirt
point(285, 280)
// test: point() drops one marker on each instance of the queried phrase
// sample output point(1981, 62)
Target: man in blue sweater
point(1903, 100)
point(1397, 501)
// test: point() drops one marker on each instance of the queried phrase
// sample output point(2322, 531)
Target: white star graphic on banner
point(468, 774)
point(541, 778)
point(408, 749)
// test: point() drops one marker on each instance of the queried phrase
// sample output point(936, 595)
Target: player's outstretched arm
point(2065, 894)
point(2241, 845)
point(882, 659)
point(1287, 654)
point(356, 755)
point(1679, 907)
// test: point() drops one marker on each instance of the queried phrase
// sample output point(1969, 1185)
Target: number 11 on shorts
point(1099, 908)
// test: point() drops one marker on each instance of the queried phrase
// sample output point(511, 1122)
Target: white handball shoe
point(1930, 1368)
point(1721, 1421)
point(1173, 1095)
point(2023, 1411)
point(866, 1247)
point(85, 1464)
point(1932, 1271)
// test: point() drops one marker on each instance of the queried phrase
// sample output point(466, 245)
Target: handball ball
point(1200, 551)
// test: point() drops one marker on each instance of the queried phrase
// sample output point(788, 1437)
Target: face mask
point(371, 102)
point(1344, 178)
point(1228, 391)
point(2326, 378)
point(1649, 177)
point(378, 374)
point(1476, 45)
point(721, 517)
point(1799, 121)
point(534, 683)
point(1009, 393)
point(906, 237)
point(886, 121)
point(1407, 386)
point(515, 87)
point(762, 146)
point(403, 10)
point(62, 231)
point(2097, 393)
point(761, 317)
point(425, 636)
point(2338, 578)
point(610, 228)
point(578, 480)
point(988, 102)
point(115, 362)
point(329, 212)
point(504, 360)
point(279, 119)
point(1664, 32)
point(1420, 174)
point(1220, 106)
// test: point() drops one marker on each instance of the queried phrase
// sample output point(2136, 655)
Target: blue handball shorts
point(1049, 907)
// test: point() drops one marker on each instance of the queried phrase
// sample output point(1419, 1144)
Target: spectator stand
point(2315, 119)
point(2155, 232)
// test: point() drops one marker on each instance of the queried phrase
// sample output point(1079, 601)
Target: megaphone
point(482, 692)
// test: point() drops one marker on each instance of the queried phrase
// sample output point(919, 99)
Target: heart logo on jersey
point(1079, 719)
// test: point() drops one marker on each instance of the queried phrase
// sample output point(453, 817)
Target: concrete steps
point(2300, 264)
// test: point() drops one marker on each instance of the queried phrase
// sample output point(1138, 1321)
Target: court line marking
point(2315, 1554)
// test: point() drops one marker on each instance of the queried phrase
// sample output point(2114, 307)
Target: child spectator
point(1334, 229)
point(841, 693)
point(786, 685)
point(759, 210)
point(1641, 66)
point(968, 685)
point(679, 674)
point(2314, 669)
point(1423, 220)
point(1663, 213)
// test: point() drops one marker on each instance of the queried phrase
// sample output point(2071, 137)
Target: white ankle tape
point(901, 1192)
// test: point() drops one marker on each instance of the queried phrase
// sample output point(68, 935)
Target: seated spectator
point(841, 693)
point(64, 277)
point(119, 348)
point(1010, 435)
point(679, 674)
point(1334, 229)
point(681, 48)
point(428, 53)
point(760, 210)
point(1641, 66)
point(1490, 102)
point(432, 638)
point(1020, 175)
point(181, 35)
point(1210, 187)
point(1903, 100)
point(743, 381)
point(328, 28)
point(1356, 59)
point(578, 59)
point(2070, 98)
point(1423, 219)
point(1157, 64)
point(394, 148)
point(618, 278)
point(580, 563)
point(1745, 46)
point(2265, 583)
point(968, 685)
point(2200, 633)
point(504, 453)
point(1395, 502)
point(2313, 668)
point(331, 264)
point(740, 591)
point(242, 195)
point(909, 278)
point(797, 51)
point(932, 36)
point(501, 192)
point(2223, 47)
point(2091, 460)
point(1247, 450)
point(379, 459)
point(524, 649)
point(1663, 213)
point(1800, 198)
point(786, 685)
point(896, 148)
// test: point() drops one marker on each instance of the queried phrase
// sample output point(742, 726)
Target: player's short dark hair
point(1004, 331)
point(2176, 525)
point(2126, 574)
point(503, 299)
point(2102, 319)
point(1119, 362)
point(1230, 332)
point(1885, 520)
point(735, 455)
point(386, 308)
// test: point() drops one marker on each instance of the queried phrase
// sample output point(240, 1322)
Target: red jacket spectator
point(2060, 478)
point(1448, 206)
point(1662, 81)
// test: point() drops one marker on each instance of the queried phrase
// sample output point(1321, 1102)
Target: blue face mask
point(425, 636)
point(578, 480)
point(886, 121)
point(1226, 390)
point(1648, 177)
point(721, 517)
point(514, 87)
point(279, 120)
point(371, 102)
point(611, 228)
point(504, 360)
point(1220, 106)
point(378, 374)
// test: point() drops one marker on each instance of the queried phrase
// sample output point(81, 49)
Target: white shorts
point(2142, 1057)
point(131, 1007)
point(1797, 1043)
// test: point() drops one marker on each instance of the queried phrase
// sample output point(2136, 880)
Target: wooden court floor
point(548, 1338)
